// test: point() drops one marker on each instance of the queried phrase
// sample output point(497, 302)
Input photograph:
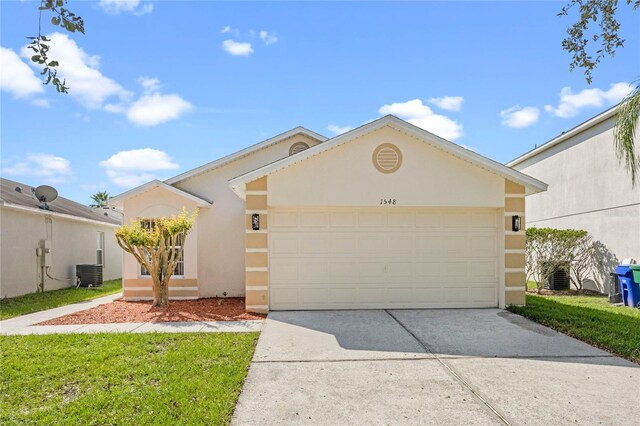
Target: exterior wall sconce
point(515, 223)
point(255, 222)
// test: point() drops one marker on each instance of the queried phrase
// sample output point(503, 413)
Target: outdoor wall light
point(515, 223)
point(255, 221)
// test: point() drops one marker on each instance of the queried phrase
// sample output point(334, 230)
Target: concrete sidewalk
point(25, 324)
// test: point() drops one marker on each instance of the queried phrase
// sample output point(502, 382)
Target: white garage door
point(369, 258)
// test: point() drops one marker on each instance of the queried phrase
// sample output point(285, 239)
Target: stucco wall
point(72, 242)
point(219, 240)
point(590, 190)
point(346, 176)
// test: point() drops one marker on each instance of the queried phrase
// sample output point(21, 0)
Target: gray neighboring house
point(588, 189)
point(74, 233)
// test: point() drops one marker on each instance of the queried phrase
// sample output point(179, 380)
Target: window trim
point(100, 248)
point(141, 268)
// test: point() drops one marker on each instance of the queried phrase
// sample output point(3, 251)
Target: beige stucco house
point(385, 216)
point(72, 233)
point(588, 189)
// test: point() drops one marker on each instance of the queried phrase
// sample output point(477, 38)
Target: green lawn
point(135, 379)
point(589, 318)
point(34, 302)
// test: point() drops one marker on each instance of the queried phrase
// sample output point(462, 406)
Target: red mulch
point(214, 309)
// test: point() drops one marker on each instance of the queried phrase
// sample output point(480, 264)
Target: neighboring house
point(74, 234)
point(384, 216)
point(588, 189)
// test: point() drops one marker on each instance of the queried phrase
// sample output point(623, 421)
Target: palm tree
point(99, 199)
point(625, 131)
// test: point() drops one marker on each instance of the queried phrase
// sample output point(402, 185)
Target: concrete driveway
point(462, 366)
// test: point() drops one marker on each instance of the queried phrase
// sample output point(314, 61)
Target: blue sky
point(160, 87)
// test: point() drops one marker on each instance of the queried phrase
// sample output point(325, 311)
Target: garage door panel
point(365, 259)
point(315, 245)
point(400, 244)
point(313, 271)
point(483, 294)
point(371, 220)
point(283, 271)
point(372, 245)
point(283, 219)
point(483, 220)
point(343, 219)
point(283, 244)
point(400, 220)
point(346, 245)
point(313, 219)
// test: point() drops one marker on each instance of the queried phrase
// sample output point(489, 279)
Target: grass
point(34, 302)
point(591, 319)
point(123, 378)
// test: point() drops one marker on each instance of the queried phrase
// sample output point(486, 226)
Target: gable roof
point(532, 185)
point(567, 135)
point(9, 197)
point(201, 202)
point(244, 152)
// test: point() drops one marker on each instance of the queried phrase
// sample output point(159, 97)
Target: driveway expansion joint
point(452, 371)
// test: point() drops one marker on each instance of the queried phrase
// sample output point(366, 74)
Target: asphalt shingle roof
point(9, 195)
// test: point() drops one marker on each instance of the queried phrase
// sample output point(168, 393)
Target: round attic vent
point(297, 147)
point(387, 158)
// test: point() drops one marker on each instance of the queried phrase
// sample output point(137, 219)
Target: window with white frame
point(179, 269)
point(100, 248)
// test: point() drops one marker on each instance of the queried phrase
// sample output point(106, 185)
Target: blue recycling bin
point(625, 278)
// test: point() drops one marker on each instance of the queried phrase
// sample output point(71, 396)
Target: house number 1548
point(388, 201)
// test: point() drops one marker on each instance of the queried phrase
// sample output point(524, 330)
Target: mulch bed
point(119, 311)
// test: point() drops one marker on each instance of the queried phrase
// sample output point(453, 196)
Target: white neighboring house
point(588, 189)
point(76, 234)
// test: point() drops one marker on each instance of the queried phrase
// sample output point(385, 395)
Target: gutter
point(3, 204)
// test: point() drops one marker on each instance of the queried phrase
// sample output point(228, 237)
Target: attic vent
point(387, 158)
point(297, 147)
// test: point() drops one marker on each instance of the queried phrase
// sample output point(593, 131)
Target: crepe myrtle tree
point(158, 247)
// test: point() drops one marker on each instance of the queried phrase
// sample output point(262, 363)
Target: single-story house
point(41, 243)
point(588, 189)
point(387, 215)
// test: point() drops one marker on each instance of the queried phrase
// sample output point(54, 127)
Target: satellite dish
point(46, 193)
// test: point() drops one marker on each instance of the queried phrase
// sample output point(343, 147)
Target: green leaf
point(55, 20)
point(36, 58)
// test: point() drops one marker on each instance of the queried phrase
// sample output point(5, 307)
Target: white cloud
point(86, 83)
point(16, 77)
point(268, 38)
point(237, 48)
point(46, 168)
point(137, 166)
point(519, 117)
point(116, 7)
point(230, 30)
point(150, 85)
point(571, 103)
point(337, 130)
point(154, 109)
point(450, 103)
point(419, 114)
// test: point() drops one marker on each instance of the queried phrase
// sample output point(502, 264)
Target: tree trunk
point(160, 293)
